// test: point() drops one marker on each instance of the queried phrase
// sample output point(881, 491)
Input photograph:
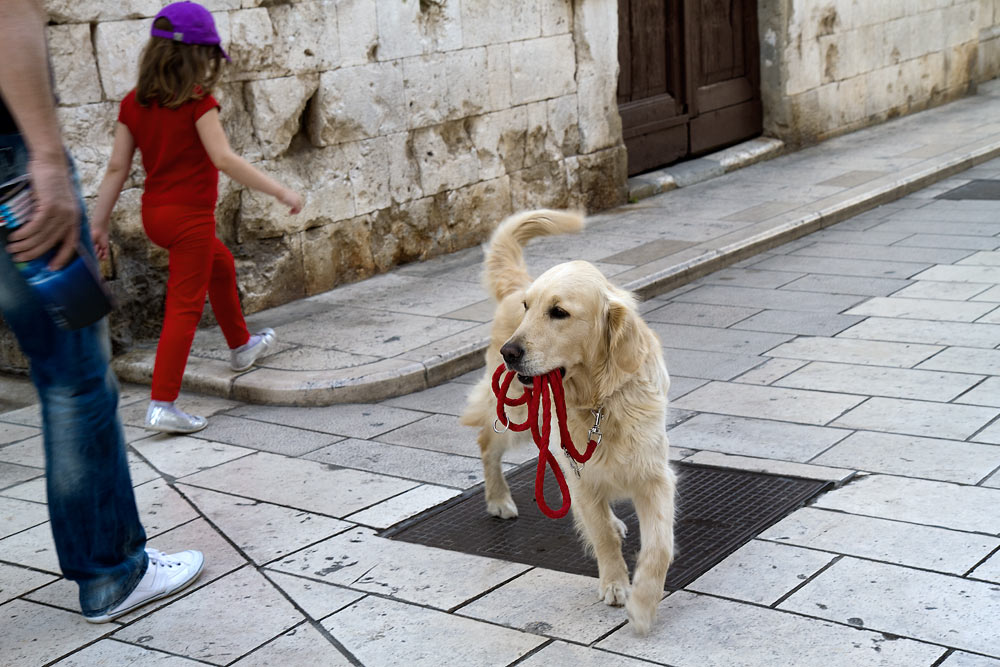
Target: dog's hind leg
point(491, 448)
point(597, 524)
point(654, 505)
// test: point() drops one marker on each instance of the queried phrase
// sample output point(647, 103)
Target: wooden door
point(688, 77)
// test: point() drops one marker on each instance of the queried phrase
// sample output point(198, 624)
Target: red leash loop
point(537, 394)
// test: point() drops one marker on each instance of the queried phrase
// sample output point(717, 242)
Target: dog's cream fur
point(612, 359)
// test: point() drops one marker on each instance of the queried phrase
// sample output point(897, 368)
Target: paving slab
point(34, 634)
point(930, 458)
point(385, 633)
point(794, 405)
point(962, 659)
point(17, 515)
point(305, 485)
point(349, 421)
point(111, 651)
point(923, 502)
point(922, 309)
point(957, 612)
point(749, 436)
point(761, 572)
point(879, 381)
point(936, 420)
point(302, 645)
point(561, 654)
point(261, 530)
point(315, 598)
point(181, 627)
point(403, 506)
point(989, 570)
point(952, 551)
point(702, 631)
point(359, 560)
point(460, 472)
point(550, 603)
point(930, 289)
point(861, 351)
point(178, 456)
point(16, 581)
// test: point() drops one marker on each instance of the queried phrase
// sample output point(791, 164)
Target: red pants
point(199, 264)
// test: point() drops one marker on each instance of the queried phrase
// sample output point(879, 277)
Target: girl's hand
point(101, 244)
point(291, 199)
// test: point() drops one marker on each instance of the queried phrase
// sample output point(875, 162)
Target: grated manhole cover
point(718, 510)
point(975, 189)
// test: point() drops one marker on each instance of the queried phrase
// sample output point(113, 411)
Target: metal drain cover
point(718, 510)
point(975, 189)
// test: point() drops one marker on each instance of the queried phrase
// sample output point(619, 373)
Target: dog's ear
point(625, 344)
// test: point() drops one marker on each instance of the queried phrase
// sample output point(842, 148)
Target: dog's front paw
point(505, 509)
point(641, 615)
point(613, 593)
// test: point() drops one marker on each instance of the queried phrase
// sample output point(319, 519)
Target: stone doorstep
point(702, 169)
point(387, 378)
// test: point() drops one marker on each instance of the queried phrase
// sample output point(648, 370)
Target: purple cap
point(193, 24)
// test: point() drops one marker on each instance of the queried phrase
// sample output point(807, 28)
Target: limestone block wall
point(411, 126)
point(832, 66)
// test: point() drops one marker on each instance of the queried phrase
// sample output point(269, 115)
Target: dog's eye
point(525, 305)
point(557, 313)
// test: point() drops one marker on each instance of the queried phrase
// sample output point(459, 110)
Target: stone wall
point(411, 126)
point(832, 66)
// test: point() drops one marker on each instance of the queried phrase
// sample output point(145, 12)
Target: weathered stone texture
point(73, 64)
point(834, 66)
point(410, 127)
point(542, 68)
point(358, 102)
point(276, 107)
point(118, 45)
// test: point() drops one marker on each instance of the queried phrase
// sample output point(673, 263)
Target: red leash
point(537, 394)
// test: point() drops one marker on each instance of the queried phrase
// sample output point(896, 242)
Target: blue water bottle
point(74, 296)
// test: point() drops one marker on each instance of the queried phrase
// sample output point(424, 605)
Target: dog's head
point(576, 321)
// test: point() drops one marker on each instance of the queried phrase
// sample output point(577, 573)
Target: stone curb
point(394, 377)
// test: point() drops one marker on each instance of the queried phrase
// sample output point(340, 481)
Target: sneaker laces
point(160, 559)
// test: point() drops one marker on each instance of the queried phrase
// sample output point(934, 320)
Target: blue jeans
point(94, 519)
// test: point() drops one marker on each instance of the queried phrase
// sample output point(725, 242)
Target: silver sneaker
point(243, 357)
point(171, 419)
point(164, 575)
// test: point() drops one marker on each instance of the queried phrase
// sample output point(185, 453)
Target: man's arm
point(27, 93)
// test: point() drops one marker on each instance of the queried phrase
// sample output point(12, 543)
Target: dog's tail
point(505, 271)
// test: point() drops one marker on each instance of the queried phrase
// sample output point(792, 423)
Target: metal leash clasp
point(595, 430)
point(573, 463)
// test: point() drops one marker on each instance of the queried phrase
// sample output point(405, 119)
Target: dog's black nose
point(512, 353)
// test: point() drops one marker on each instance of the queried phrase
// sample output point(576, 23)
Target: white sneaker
point(242, 357)
point(164, 575)
point(168, 418)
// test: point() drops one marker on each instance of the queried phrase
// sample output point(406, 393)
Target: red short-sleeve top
point(178, 169)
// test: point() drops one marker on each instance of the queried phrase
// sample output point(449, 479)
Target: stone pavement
point(427, 322)
point(867, 352)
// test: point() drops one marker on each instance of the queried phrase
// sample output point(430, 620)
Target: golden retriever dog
point(573, 319)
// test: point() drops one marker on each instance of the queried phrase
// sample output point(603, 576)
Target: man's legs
point(95, 523)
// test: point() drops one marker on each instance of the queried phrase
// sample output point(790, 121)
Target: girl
point(173, 119)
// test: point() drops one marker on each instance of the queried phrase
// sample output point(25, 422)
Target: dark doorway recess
point(689, 78)
point(718, 510)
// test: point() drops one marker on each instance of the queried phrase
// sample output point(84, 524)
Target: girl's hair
point(171, 73)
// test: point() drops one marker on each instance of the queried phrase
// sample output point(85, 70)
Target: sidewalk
point(866, 353)
point(426, 322)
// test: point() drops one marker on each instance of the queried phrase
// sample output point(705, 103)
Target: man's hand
point(55, 223)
